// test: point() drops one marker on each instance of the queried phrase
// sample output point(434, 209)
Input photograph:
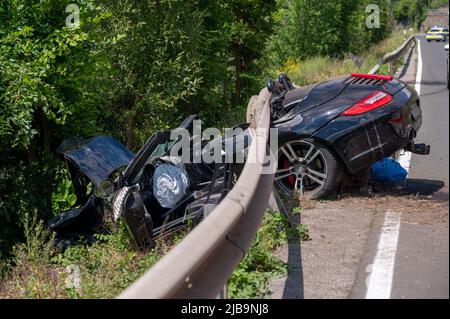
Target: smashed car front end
point(155, 192)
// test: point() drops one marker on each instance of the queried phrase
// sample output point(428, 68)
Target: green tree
point(235, 35)
point(152, 65)
point(307, 28)
point(412, 12)
point(41, 68)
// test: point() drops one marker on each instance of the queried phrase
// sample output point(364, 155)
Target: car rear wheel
point(307, 168)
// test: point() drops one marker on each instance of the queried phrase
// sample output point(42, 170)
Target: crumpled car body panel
point(133, 196)
point(96, 157)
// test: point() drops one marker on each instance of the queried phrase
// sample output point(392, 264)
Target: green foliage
point(63, 198)
point(316, 69)
point(250, 279)
point(42, 67)
point(308, 28)
point(106, 268)
point(413, 12)
point(133, 67)
point(33, 70)
point(296, 211)
point(24, 188)
point(30, 266)
point(252, 276)
point(234, 40)
point(151, 65)
point(303, 232)
point(37, 239)
point(436, 4)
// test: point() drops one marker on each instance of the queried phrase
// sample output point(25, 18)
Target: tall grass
point(318, 69)
point(104, 269)
point(30, 273)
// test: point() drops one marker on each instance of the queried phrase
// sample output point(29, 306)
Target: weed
point(296, 211)
point(106, 268)
point(30, 273)
point(303, 232)
point(251, 278)
point(319, 69)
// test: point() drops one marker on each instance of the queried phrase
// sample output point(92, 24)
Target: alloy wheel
point(302, 168)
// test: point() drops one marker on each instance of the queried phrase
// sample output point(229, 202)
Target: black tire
point(291, 172)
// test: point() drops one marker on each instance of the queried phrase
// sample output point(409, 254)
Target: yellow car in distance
point(437, 34)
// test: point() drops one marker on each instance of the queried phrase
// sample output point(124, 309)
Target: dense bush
point(308, 28)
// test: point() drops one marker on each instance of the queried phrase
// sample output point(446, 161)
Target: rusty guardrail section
point(201, 264)
point(391, 57)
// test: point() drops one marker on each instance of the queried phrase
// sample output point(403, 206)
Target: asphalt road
point(410, 260)
point(435, 107)
point(422, 256)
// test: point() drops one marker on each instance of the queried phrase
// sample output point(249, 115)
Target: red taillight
point(373, 76)
point(369, 103)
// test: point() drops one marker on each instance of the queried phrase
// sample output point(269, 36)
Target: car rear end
point(377, 117)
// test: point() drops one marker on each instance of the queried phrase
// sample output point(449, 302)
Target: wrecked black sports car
point(340, 126)
point(325, 130)
point(152, 191)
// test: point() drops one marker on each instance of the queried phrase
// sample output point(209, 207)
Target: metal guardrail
point(201, 264)
point(391, 57)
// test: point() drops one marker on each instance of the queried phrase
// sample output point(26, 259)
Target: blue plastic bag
point(387, 170)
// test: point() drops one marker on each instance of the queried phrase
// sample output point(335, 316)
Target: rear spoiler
point(373, 76)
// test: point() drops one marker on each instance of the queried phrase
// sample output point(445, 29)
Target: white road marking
point(405, 160)
point(419, 68)
point(405, 157)
point(379, 283)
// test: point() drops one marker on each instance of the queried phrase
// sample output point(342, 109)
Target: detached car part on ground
point(153, 192)
point(341, 126)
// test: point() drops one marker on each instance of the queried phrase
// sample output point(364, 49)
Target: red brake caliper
point(291, 178)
